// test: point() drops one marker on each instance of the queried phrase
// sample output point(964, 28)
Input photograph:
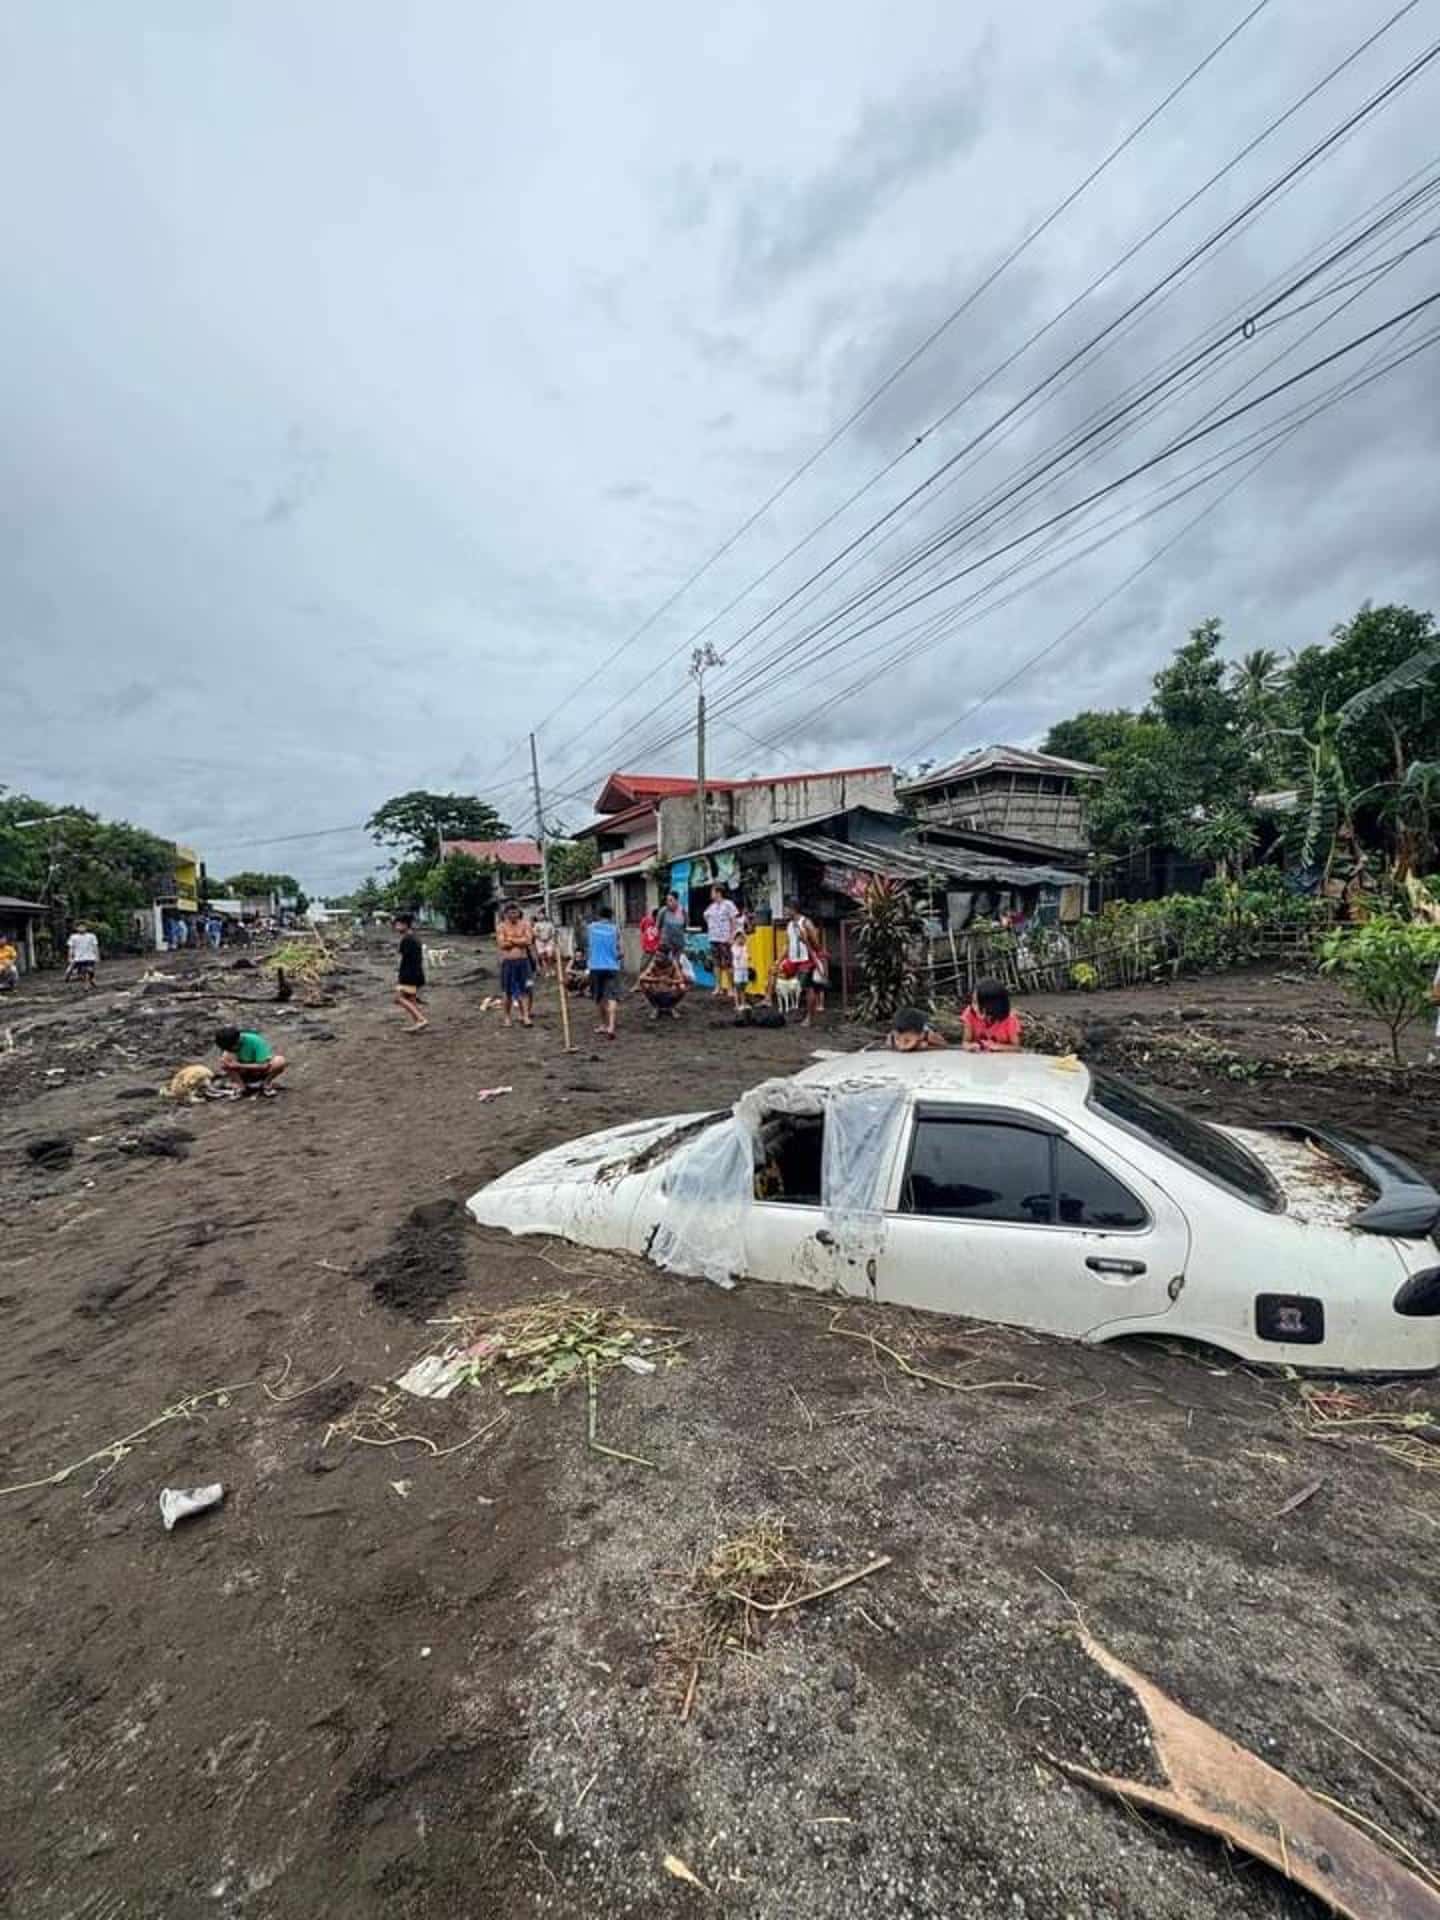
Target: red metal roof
point(499, 853)
point(631, 857)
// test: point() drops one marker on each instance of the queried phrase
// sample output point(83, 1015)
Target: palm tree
point(1255, 678)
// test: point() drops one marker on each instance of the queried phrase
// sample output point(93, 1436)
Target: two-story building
point(1021, 800)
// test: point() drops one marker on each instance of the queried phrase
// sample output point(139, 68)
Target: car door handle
point(1098, 1264)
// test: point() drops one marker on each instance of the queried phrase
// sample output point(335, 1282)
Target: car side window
point(966, 1169)
point(1087, 1196)
point(787, 1168)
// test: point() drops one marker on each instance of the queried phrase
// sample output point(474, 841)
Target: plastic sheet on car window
point(709, 1185)
point(860, 1122)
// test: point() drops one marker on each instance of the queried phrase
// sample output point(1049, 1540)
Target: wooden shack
point(1011, 793)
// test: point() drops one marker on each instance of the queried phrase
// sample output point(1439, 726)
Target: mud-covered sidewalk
point(438, 1658)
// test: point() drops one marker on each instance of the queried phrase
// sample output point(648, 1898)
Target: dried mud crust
point(396, 1686)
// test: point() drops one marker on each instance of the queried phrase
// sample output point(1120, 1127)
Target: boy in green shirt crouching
point(249, 1060)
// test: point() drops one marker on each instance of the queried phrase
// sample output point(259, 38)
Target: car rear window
point(1202, 1148)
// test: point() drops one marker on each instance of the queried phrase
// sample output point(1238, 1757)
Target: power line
point(1275, 434)
point(1342, 131)
point(988, 511)
point(1177, 445)
point(956, 313)
point(1280, 184)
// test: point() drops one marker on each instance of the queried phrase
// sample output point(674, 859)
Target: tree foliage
point(888, 935)
point(98, 871)
point(461, 888)
point(1389, 964)
point(417, 822)
point(250, 884)
point(1353, 724)
point(571, 860)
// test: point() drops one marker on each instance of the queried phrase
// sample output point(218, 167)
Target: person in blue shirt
point(602, 949)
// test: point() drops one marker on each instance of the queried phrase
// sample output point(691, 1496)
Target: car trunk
point(1319, 1189)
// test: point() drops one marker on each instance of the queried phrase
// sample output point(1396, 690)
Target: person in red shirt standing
point(991, 1026)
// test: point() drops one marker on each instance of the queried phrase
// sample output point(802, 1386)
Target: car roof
point(1060, 1083)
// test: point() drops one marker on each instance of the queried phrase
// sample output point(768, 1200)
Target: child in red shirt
point(990, 1025)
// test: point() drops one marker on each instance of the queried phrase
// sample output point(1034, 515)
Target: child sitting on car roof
point(991, 1025)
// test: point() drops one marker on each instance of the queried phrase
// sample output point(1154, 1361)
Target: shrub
point(1389, 965)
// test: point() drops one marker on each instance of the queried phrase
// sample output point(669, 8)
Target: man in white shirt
point(722, 916)
point(83, 952)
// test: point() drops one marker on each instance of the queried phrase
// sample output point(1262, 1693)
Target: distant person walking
point(602, 949)
point(9, 965)
point(516, 942)
point(83, 953)
point(722, 916)
point(410, 977)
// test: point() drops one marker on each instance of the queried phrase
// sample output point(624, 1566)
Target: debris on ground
point(743, 1580)
point(303, 960)
point(50, 1151)
point(177, 1503)
point(159, 1139)
point(1220, 1787)
point(540, 1345)
point(379, 1425)
point(1343, 1416)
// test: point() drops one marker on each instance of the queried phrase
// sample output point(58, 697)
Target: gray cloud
point(370, 421)
point(784, 227)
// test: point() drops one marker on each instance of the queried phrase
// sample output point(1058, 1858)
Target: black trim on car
point(1408, 1206)
point(1263, 1193)
point(1419, 1297)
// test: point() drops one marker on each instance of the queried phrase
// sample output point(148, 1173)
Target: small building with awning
point(19, 922)
point(826, 860)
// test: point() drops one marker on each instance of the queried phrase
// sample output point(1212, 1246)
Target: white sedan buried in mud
point(1022, 1189)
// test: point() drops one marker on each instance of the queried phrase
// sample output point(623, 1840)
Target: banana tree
point(1411, 798)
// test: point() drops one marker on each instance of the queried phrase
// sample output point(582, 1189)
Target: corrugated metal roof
point(921, 859)
point(1002, 760)
point(502, 853)
point(10, 901)
point(629, 860)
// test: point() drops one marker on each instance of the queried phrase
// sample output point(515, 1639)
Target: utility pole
point(540, 831)
point(701, 661)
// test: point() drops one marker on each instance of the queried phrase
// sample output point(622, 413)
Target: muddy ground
point(397, 1679)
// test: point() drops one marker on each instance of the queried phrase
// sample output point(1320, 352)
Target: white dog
point(787, 993)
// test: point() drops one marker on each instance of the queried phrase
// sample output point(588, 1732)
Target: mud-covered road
point(437, 1678)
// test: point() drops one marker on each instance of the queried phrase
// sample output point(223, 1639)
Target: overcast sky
point(369, 375)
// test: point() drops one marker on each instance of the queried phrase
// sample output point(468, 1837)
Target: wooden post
point(845, 968)
point(564, 997)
